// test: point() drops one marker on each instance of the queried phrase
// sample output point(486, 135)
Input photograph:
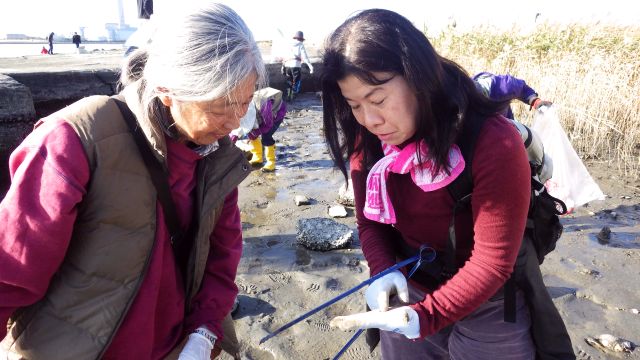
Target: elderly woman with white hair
point(121, 230)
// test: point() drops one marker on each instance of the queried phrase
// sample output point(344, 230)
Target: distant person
point(398, 115)
point(292, 65)
point(51, 43)
point(76, 39)
point(270, 111)
point(122, 237)
point(44, 51)
point(506, 88)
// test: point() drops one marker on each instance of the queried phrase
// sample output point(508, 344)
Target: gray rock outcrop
point(17, 115)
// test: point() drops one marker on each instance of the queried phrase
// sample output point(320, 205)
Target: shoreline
point(62, 41)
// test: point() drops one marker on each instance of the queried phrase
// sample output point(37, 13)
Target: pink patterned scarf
point(401, 161)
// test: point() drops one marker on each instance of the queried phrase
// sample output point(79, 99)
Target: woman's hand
point(378, 293)
point(403, 320)
point(198, 346)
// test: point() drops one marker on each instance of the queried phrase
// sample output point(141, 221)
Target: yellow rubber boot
point(270, 155)
point(256, 150)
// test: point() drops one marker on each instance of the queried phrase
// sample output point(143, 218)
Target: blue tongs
point(425, 255)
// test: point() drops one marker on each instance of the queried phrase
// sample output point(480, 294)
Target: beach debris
point(604, 235)
point(608, 342)
point(345, 194)
point(590, 272)
point(373, 318)
point(609, 214)
point(323, 234)
point(337, 211)
point(301, 200)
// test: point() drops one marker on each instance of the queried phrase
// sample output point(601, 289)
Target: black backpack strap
point(160, 179)
point(460, 190)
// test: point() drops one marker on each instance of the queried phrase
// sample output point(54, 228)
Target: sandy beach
point(595, 281)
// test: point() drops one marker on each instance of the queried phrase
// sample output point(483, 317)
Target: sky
point(271, 19)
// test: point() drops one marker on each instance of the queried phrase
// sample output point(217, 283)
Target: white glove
point(403, 320)
point(310, 69)
point(378, 293)
point(199, 345)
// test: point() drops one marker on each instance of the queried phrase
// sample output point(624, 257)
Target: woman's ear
point(165, 98)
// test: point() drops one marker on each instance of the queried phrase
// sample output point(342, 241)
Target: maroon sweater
point(501, 192)
point(50, 174)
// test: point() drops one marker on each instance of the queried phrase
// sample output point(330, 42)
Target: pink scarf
point(401, 161)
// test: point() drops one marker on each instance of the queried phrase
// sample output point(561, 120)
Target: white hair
point(200, 53)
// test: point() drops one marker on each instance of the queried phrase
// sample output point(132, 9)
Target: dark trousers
point(267, 138)
point(481, 335)
point(294, 78)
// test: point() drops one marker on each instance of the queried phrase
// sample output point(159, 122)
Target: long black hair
point(378, 40)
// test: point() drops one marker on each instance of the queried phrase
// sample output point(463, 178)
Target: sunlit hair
point(382, 41)
point(197, 54)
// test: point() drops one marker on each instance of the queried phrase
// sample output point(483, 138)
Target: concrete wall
point(28, 96)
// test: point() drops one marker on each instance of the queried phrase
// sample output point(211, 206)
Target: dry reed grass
point(591, 72)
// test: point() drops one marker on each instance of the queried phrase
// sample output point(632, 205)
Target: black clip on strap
point(427, 254)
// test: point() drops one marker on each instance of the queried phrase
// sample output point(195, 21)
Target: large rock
point(323, 234)
point(68, 86)
point(16, 102)
point(17, 115)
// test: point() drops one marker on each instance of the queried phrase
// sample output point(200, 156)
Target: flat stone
point(345, 194)
point(301, 200)
point(322, 234)
point(337, 211)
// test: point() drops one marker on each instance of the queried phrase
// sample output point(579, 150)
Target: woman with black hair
point(397, 114)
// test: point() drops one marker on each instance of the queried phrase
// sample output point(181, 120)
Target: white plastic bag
point(571, 181)
point(247, 123)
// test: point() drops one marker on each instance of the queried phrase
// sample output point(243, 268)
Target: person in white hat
point(292, 65)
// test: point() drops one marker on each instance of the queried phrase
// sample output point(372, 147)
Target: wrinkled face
point(203, 122)
point(388, 111)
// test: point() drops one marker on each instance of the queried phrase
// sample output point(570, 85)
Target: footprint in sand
point(320, 325)
point(313, 287)
point(357, 352)
point(279, 277)
point(583, 355)
point(248, 288)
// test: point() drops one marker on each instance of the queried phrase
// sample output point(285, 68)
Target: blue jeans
point(294, 78)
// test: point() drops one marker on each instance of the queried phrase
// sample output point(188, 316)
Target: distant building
point(118, 32)
point(115, 32)
point(17, 37)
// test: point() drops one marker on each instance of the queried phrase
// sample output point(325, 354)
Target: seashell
point(609, 342)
